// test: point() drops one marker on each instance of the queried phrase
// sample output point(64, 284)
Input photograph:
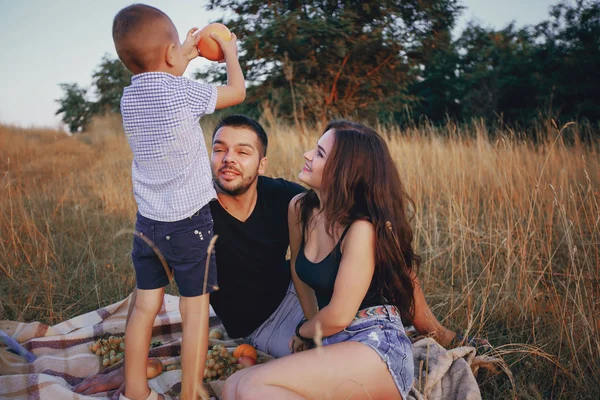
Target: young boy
point(172, 183)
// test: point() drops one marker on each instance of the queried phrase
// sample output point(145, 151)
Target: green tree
point(108, 82)
point(570, 54)
point(545, 71)
point(76, 109)
point(497, 74)
point(330, 58)
point(310, 61)
point(109, 79)
point(436, 68)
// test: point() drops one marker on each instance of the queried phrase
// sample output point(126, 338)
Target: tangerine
point(245, 350)
point(153, 368)
point(208, 47)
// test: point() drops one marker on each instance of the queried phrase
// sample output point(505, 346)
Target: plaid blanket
point(64, 359)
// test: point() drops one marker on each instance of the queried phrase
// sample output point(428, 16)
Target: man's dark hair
point(243, 121)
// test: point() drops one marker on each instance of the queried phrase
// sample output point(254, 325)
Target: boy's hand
point(189, 47)
point(229, 47)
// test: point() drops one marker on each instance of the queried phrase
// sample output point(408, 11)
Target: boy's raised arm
point(235, 91)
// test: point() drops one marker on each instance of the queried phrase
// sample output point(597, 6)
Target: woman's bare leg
point(348, 370)
point(232, 382)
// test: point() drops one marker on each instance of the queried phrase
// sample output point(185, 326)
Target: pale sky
point(44, 43)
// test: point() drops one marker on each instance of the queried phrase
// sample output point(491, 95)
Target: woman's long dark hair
point(361, 181)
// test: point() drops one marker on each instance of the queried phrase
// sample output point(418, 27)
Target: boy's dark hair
point(133, 27)
point(243, 121)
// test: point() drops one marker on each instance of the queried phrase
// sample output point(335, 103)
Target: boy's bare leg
point(131, 305)
point(137, 341)
point(194, 345)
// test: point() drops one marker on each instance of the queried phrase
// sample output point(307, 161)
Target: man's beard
point(241, 188)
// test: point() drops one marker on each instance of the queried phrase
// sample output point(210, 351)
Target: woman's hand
point(297, 345)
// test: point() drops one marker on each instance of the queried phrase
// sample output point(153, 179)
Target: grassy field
point(509, 232)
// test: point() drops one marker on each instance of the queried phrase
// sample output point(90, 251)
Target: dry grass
point(509, 232)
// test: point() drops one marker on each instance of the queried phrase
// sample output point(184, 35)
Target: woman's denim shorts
point(381, 329)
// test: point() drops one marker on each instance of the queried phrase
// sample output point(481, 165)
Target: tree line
point(392, 61)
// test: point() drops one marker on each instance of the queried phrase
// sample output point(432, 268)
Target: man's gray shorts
point(273, 336)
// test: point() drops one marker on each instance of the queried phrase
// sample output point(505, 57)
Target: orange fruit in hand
point(208, 47)
point(245, 350)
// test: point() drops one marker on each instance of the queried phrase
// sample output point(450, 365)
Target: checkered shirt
point(170, 171)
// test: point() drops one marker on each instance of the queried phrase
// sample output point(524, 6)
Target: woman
point(352, 266)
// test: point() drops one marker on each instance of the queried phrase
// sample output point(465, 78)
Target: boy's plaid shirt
point(171, 171)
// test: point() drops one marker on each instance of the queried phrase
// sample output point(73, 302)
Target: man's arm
point(102, 383)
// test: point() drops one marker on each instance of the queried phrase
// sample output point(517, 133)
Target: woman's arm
point(354, 277)
point(423, 319)
point(306, 296)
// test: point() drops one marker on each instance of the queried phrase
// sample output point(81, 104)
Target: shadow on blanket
point(64, 360)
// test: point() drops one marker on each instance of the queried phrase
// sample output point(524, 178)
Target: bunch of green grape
point(111, 349)
point(219, 364)
point(172, 367)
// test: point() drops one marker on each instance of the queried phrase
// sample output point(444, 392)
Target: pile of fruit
point(220, 364)
point(111, 349)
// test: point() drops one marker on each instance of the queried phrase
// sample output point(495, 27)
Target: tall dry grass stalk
point(509, 232)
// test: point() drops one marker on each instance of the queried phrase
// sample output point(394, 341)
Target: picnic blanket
point(64, 359)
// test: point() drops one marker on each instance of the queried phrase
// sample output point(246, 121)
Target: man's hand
point(189, 47)
point(297, 345)
point(102, 383)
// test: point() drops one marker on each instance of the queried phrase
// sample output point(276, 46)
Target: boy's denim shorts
point(184, 245)
point(381, 329)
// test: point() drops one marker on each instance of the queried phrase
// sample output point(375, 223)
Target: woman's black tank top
point(321, 276)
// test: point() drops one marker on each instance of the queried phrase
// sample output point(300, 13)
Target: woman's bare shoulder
point(360, 230)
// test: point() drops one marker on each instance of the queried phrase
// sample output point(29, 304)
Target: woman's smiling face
point(312, 172)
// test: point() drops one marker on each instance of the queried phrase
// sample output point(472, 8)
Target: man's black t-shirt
point(251, 270)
